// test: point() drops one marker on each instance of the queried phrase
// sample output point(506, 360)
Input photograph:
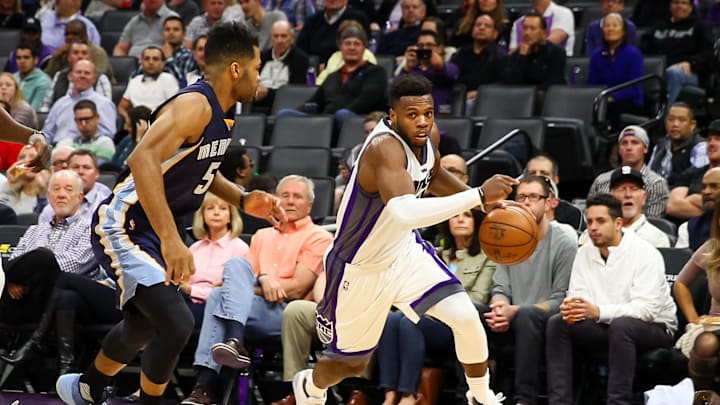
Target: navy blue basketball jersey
point(188, 173)
point(120, 221)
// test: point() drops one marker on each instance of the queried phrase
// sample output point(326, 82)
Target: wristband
point(241, 203)
point(482, 198)
point(37, 136)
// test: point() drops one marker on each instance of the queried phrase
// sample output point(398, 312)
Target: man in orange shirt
point(281, 266)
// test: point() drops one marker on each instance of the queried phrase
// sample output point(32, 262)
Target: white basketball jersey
point(367, 236)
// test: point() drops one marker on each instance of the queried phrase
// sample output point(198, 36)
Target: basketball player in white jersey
point(377, 260)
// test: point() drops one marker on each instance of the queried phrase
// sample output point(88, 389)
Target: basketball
point(508, 235)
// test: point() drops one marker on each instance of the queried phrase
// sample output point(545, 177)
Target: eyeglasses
point(531, 197)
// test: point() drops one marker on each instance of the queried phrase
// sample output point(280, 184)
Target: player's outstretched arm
point(13, 131)
point(382, 169)
point(181, 121)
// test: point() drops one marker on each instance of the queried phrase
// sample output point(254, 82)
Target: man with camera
point(426, 58)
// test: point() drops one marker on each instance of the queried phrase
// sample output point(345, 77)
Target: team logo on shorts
point(346, 285)
point(324, 329)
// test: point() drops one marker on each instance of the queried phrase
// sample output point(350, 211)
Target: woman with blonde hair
point(705, 354)
point(217, 226)
point(470, 9)
point(20, 110)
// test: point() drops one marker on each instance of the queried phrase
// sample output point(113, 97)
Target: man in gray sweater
point(525, 295)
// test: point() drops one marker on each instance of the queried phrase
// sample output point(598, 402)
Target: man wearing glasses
point(90, 137)
point(524, 296)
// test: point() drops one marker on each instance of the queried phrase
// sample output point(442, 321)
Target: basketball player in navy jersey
point(135, 231)
point(377, 260)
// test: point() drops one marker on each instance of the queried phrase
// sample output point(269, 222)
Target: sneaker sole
point(226, 356)
point(66, 397)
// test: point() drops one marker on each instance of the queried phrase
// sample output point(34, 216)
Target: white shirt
point(631, 283)
point(642, 228)
point(683, 238)
point(144, 90)
point(562, 19)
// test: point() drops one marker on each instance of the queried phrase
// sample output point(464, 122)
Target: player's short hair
point(613, 204)
point(408, 86)
point(229, 40)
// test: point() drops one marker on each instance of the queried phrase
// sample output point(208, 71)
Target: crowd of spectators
point(59, 77)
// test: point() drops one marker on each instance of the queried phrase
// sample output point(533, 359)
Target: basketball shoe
point(69, 390)
point(492, 398)
point(301, 395)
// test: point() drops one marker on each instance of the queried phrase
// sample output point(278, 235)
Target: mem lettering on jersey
point(214, 148)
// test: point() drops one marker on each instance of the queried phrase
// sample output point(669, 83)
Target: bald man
point(696, 230)
point(283, 63)
point(456, 165)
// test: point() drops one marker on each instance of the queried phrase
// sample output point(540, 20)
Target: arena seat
point(249, 130)
point(123, 67)
point(309, 131)
point(324, 198)
point(460, 128)
point(501, 101)
point(8, 41)
point(292, 96)
point(115, 20)
point(309, 162)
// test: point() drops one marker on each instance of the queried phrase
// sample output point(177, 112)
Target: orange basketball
point(508, 235)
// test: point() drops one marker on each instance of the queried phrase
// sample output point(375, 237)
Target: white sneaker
point(493, 399)
point(301, 395)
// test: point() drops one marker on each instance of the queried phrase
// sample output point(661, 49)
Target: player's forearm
point(151, 192)
point(413, 212)
point(12, 131)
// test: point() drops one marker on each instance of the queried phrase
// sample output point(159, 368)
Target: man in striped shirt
point(633, 143)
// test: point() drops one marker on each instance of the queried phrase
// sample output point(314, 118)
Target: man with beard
point(693, 233)
point(179, 60)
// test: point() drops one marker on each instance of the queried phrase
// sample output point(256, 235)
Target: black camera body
point(424, 54)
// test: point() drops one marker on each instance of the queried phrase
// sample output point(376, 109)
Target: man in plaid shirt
point(46, 249)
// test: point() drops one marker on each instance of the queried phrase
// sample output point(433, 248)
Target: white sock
point(479, 387)
point(311, 389)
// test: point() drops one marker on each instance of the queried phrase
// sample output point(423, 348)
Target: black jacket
point(319, 38)
point(542, 69)
point(485, 68)
point(363, 92)
point(688, 40)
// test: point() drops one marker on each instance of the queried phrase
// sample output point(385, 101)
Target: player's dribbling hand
point(264, 205)
point(498, 187)
point(179, 263)
point(507, 203)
